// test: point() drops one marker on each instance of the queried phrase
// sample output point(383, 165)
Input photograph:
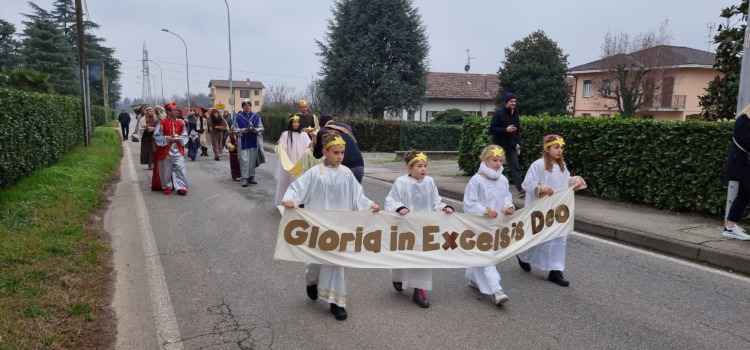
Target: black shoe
point(338, 312)
point(397, 286)
point(192, 158)
point(312, 292)
point(244, 182)
point(524, 265)
point(420, 297)
point(556, 277)
point(252, 180)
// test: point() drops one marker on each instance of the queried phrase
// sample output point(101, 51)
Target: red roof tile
point(461, 86)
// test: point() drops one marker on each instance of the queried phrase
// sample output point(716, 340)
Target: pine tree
point(534, 69)
point(9, 46)
point(374, 57)
point(46, 50)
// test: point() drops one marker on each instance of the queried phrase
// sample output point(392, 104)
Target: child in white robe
point(328, 186)
point(295, 142)
point(487, 194)
point(414, 192)
point(545, 176)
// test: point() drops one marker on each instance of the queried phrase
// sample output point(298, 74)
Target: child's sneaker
point(736, 232)
point(500, 298)
point(420, 298)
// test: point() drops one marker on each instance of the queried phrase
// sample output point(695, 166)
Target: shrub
point(98, 117)
point(664, 164)
point(453, 116)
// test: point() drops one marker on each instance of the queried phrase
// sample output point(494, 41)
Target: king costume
point(170, 156)
point(250, 142)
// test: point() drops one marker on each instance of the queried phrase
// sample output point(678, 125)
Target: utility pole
point(84, 72)
point(105, 95)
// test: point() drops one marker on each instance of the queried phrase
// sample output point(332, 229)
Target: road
point(197, 272)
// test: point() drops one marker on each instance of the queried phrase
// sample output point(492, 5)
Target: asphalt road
point(197, 272)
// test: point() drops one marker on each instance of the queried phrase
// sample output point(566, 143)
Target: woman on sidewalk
point(216, 125)
point(738, 169)
point(148, 146)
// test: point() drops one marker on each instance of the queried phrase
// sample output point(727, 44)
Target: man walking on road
point(249, 129)
point(505, 129)
point(124, 119)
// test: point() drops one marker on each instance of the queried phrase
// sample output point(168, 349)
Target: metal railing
point(672, 102)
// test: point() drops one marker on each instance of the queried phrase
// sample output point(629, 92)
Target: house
point(679, 76)
point(473, 93)
point(243, 90)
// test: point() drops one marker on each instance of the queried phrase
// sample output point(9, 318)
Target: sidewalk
point(692, 237)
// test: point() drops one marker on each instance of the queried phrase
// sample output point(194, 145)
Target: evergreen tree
point(39, 13)
point(374, 57)
point(25, 79)
point(720, 99)
point(9, 46)
point(46, 50)
point(534, 69)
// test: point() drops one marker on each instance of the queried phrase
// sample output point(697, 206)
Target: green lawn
point(54, 262)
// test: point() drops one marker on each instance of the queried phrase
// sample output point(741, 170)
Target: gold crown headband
point(495, 152)
point(337, 141)
point(419, 156)
point(556, 141)
point(294, 117)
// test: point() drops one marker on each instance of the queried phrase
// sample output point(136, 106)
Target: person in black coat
point(505, 130)
point(352, 156)
point(124, 119)
point(738, 169)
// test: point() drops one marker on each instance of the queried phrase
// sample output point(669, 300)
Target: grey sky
point(274, 41)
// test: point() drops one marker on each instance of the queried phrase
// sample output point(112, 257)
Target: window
point(606, 87)
point(587, 88)
point(585, 114)
point(257, 92)
point(244, 93)
point(429, 115)
point(257, 103)
point(605, 115)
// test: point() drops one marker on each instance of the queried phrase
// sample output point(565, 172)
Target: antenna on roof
point(710, 27)
point(468, 61)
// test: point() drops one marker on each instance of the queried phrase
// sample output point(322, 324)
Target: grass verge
point(54, 261)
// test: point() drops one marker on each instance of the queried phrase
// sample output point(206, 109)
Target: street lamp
point(187, 65)
point(153, 83)
point(161, 76)
point(231, 88)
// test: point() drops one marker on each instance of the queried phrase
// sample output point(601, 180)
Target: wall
point(221, 94)
point(435, 105)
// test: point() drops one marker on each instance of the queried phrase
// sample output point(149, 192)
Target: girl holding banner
point(414, 192)
point(487, 194)
point(545, 176)
point(329, 186)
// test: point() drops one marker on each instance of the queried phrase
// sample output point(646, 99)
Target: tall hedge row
point(382, 135)
point(667, 165)
point(35, 131)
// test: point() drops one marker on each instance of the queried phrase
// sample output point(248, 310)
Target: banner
point(363, 239)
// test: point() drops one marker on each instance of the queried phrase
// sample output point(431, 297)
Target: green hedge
point(98, 117)
point(664, 164)
point(381, 135)
point(35, 131)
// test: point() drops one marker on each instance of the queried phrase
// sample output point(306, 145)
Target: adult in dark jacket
point(505, 128)
point(352, 156)
point(738, 169)
point(124, 119)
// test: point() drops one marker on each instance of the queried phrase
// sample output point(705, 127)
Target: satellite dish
point(466, 68)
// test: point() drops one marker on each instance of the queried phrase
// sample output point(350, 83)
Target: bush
point(98, 117)
point(36, 130)
point(664, 164)
point(453, 116)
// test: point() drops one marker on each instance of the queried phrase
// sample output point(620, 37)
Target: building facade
point(243, 90)
point(473, 93)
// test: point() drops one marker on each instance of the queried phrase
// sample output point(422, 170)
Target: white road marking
point(166, 323)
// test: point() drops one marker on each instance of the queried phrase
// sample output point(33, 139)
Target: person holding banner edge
point(488, 194)
point(545, 176)
point(329, 186)
point(414, 192)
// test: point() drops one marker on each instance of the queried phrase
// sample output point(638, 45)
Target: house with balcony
point(243, 90)
point(678, 75)
point(473, 93)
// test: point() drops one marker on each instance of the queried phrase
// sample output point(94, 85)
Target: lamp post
point(187, 65)
point(231, 88)
point(153, 84)
point(161, 77)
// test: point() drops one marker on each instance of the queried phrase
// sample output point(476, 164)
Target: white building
point(473, 93)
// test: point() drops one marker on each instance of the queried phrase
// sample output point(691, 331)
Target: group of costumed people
point(331, 185)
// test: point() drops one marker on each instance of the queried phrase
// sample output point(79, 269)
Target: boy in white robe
point(414, 192)
point(295, 142)
point(545, 176)
point(487, 194)
point(328, 186)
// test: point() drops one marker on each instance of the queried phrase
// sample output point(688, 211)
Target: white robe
point(418, 196)
point(327, 188)
point(549, 255)
point(486, 189)
point(295, 144)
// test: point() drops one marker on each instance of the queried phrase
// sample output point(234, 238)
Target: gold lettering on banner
point(406, 240)
point(314, 236)
point(372, 241)
point(347, 237)
point(537, 222)
point(562, 213)
point(297, 237)
point(329, 240)
point(518, 230)
point(450, 240)
point(466, 240)
point(427, 238)
point(358, 240)
point(484, 241)
point(504, 237)
point(550, 218)
point(394, 238)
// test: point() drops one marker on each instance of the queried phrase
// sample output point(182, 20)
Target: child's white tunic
point(417, 196)
point(295, 144)
point(549, 255)
point(486, 189)
point(327, 188)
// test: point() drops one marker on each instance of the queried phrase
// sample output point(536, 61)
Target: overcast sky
point(274, 41)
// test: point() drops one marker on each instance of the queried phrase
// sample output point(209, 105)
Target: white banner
point(363, 239)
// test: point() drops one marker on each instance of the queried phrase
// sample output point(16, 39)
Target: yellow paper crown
point(419, 156)
point(337, 141)
point(294, 117)
point(556, 141)
point(301, 103)
point(495, 152)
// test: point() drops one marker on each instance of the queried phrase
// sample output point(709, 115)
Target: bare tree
point(280, 96)
point(635, 67)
